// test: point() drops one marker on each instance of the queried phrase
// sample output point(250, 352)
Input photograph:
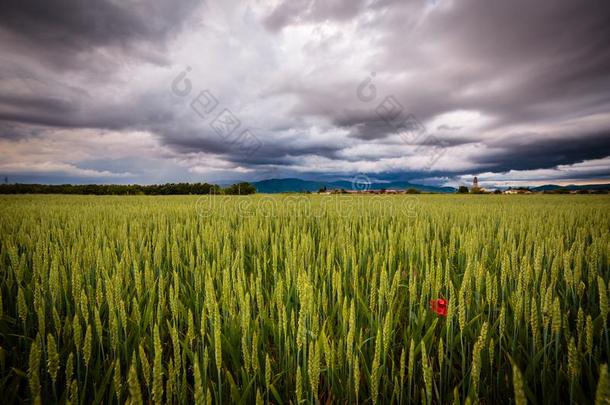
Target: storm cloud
point(434, 90)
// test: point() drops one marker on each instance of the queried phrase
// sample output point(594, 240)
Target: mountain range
point(294, 185)
point(572, 187)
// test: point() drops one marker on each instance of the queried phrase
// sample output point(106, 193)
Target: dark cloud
point(145, 111)
point(540, 68)
point(517, 61)
point(65, 28)
point(15, 132)
point(204, 139)
point(531, 151)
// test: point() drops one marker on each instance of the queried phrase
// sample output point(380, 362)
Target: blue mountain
point(572, 187)
point(294, 185)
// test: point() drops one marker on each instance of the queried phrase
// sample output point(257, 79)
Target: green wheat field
point(304, 299)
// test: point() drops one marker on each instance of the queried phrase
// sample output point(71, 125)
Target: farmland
point(299, 299)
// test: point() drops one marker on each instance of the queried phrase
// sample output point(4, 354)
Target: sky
point(428, 91)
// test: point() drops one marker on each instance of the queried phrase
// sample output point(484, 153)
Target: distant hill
point(572, 187)
point(293, 185)
point(271, 186)
point(396, 185)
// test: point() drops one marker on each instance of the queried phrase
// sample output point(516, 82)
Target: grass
point(301, 298)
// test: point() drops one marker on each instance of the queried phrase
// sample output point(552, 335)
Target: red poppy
point(439, 306)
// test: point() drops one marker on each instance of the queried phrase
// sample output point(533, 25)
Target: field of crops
point(336, 299)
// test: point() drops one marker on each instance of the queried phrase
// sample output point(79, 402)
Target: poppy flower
point(439, 306)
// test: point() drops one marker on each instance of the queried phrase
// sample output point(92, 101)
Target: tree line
point(128, 189)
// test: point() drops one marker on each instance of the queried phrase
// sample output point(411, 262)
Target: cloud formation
point(419, 89)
